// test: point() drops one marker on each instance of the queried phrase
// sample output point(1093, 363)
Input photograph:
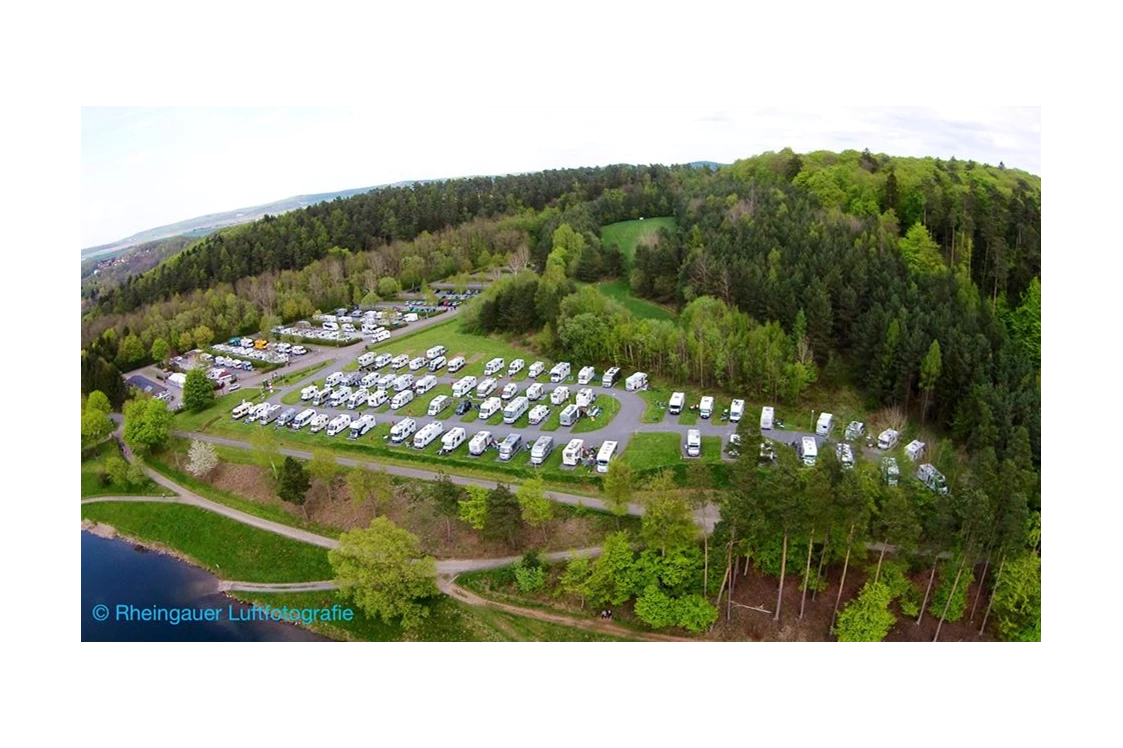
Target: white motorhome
point(331, 326)
point(377, 398)
point(605, 455)
point(338, 424)
point(571, 455)
point(569, 415)
point(435, 351)
point(241, 409)
point(889, 470)
point(489, 407)
point(635, 382)
point(515, 367)
point(425, 384)
point(559, 395)
point(462, 387)
point(381, 360)
point(453, 439)
point(437, 364)
point(610, 377)
point(510, 446)
point(340, 396)
point(403, 382)
point(845, 455)
point(416, 363)
point(318, 422)
point(933, 478)
point(535, 391)
point(915, 450)
point(380, 335)
point(509, 390)
point(542, 448)
point(361, 426)
point(256, 412)
point(824, 425)
point(736, 410)
point(286, 417)
point(586, 375)
point(439, 404)
point(368, 380)
point(536, 369)
point(515, 409)
point(480, 442)
point(767, 416)
point(333, 379)
point(808, 450)
point(428, 434)
point(270, 414)
point(494, 366)
point(678, 399)
point(888, 439)
point(854, 430)
point(455, 364)
point(585, 397)
point(321, 396)
point(560, 372)
point(403, 430)
point(706, 407)
point(385, 381)
point(303, 419)
point(538, 414)
point(309, 392)
point(486, 387)
point(693, 443)
point(401, 399)
point(365, 360)
point(399, 362)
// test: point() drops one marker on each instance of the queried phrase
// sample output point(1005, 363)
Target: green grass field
point(292, 377)
point(609, 407)
point(188, 421)
point(650, 451)
point(93, 468)
point(626, 234)
point(229, 549)
point(619, 292)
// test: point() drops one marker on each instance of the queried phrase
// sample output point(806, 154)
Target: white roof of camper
point(825, 418)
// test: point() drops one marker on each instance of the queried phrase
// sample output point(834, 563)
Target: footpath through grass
point(227, 548)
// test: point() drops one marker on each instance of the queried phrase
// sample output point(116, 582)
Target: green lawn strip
point(627, 234)
point(93, 468)
point(188, 421)
point(609, 407)
point(292, 377)
point(653, 450)
point(229, 549)
point(711, 448)
point(641, 308)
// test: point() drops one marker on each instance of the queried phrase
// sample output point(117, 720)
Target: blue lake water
point(118, 573)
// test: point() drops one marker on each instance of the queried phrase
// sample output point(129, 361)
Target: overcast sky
point(146, 167)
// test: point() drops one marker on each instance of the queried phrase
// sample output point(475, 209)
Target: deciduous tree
point(147, 423)
point(201, 458)
point(537, 508)
point(198, 391)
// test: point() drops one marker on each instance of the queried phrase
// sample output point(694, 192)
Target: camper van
point(256, 412)
point(767, 414)
point(462, 387)
point(494, 366)
point(538, 414)
point(361, 426)
point(510, 446)
point(915, 450)
point(486, 387)
point(693, 443)
point(586, 375)
point(535, 392)
point(439, 404)
point(542, 448)
point(931, 477)
point(560, 372)
point(331, 326)
point(435, 352)
point(889, 470)
point(401, 399)
point(453, 439)
point(340, 396)
point(571, 455)
point(385, 381)
point(536, 369)
point(241, 409)
point(808, 451)
point(610, 377)
point(480, 442)
point(569, 415)
point(854, 430)
point(678, 399)
point(736, 410)
point(425, 384)
point(490, 407)
point(368, 380)
point(321, 396)
point(333, 379)
point(377, 398)
point(455, 364)
point(365, 360)
point(309, 392)
point(403, 383)
point(286, 417)
point(402, 430)
point(516, 366)
point(318, 422)
point(637, 381)
point(845, 455)
point(338, 424)
point(585, 397)
point(428, 434)
point(559, 395)
point(437, 364)
point(509, 390)
point(605, 455)
point(515, 409)
point(303, 419)
point(270, 415)
point(399, 362)
point(416, 363)
point(381, 360)
point(706, 407)
point(380, 335)
point(824, 425)
point(888, 439)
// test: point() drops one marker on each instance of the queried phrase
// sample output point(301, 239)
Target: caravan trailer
point(888, 439)
point(542, 448)
point(365, 360)
point(402, 430)
point(399, 362)
point(428, 434)
point(536, 369)
point(338, 424)
point(538, 414)
point(605, 455)
point(453, 439)
point(270, 415)
point(693, 443)
point(286, 417)
point(515, 367)
point(455, 364)
point(494, 366)
point(435, 352)
point(368, 380)
point(361, 426)
point(303, 419)
point(560, 372)
point(808, 451)
point(535, 391)
point(510, 446)
point(377, 398)
point(706, 407)
point(569, 415)
point(515, 409)
point(678, 399)
point(637, 381)
point(403, 383)
point(333, 379)
point(318, 422)
point(486, 387)
point(480, 442)
point(825, 424)
point(402, 399)
point(586, 375)
point(380, 335)
point(417, 362)
point(585, 397)
point(425, 384)
point(571, 455)
point(462, 387)
point(559, 395)
point(767, 415)
point(439, 404)
point(610, 377)
point(489, 407)
point(736, 410)
point(385, 381)
point(381, 360)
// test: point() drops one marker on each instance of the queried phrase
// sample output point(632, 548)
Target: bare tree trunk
point(877, 574)
point(947, 603)
point(928, 591)
point(979, 592)
point(732, 576)
point(806, 572)
point(842, 582)
point(706, 556)
point(822, 560)
point(448, 528)
point(783, 568)
point(997, 579)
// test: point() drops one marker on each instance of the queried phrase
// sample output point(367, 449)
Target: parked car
point(463, 407)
